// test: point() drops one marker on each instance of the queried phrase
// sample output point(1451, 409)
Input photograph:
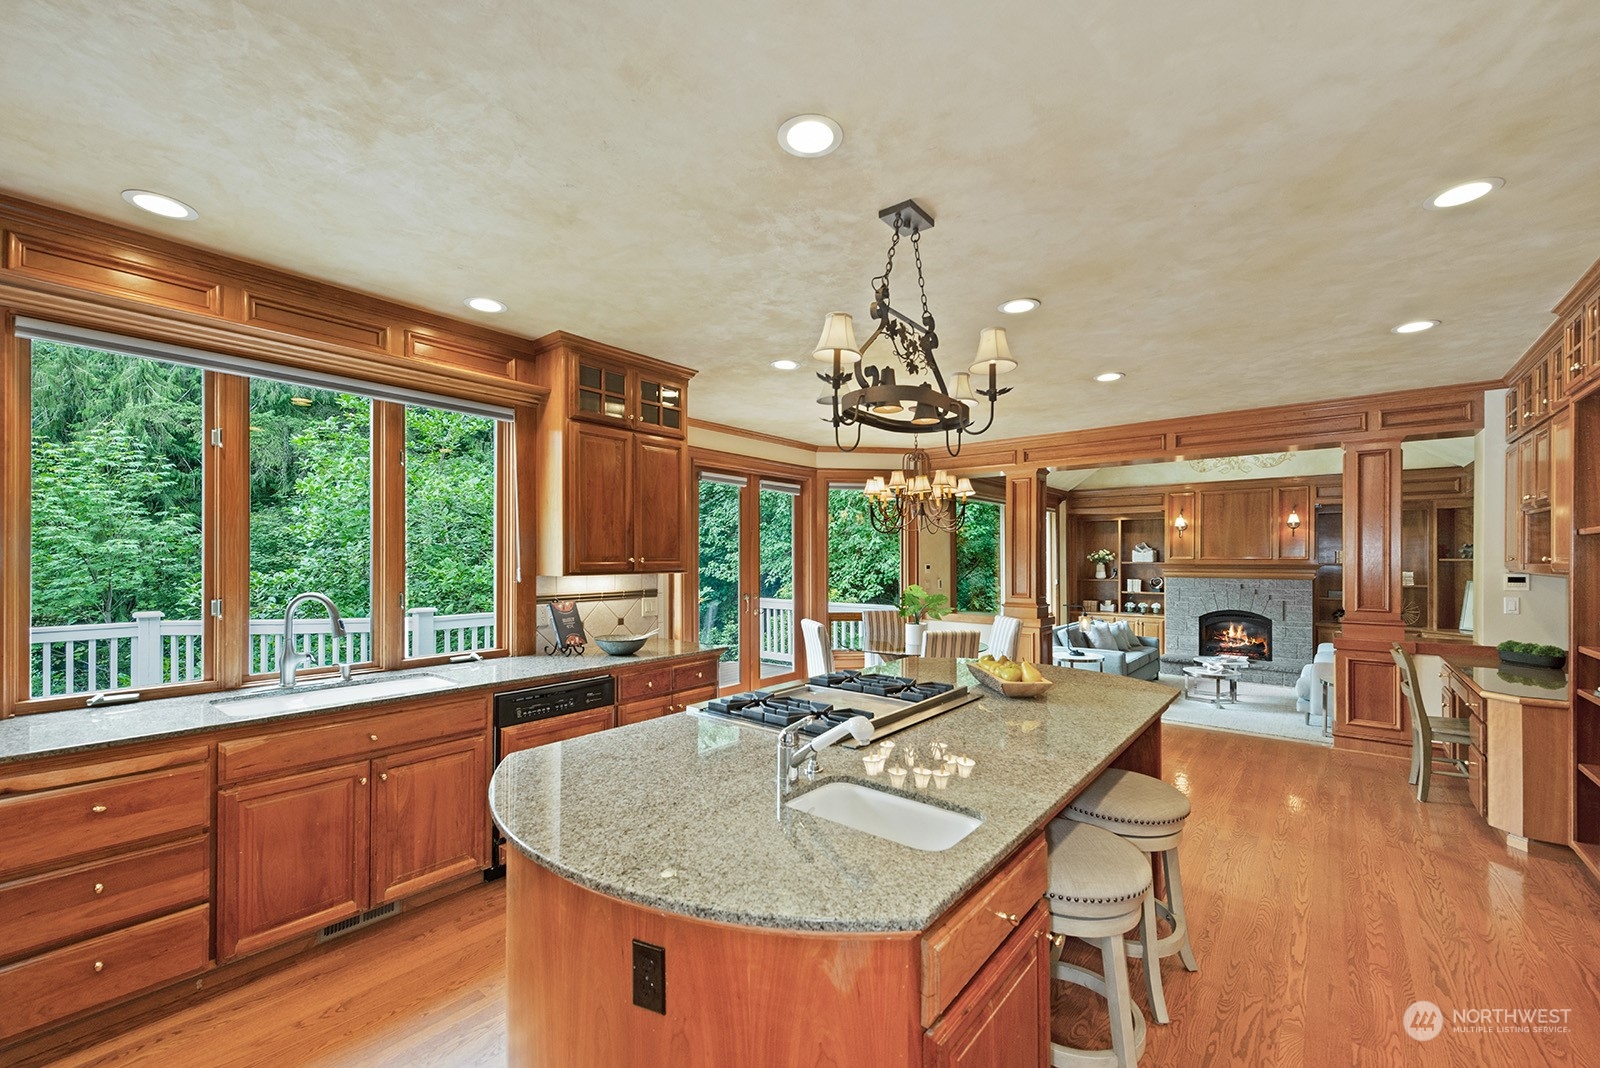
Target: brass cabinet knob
point(649, 684)
point(383, 776)
point(99, 888)
point(1009, 917)
point(98, 808)
point(363, 780)
point(99, 965)
point(372, 737)
point(631, 560)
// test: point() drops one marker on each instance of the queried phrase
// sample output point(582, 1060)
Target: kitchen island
point(784, 938)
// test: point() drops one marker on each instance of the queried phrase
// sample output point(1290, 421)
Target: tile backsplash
point(603, 600)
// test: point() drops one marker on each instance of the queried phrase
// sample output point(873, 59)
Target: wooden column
point(1371, 715)
point(16, 436)
point(1024, 590)
point(226, 506)
point(388, 534)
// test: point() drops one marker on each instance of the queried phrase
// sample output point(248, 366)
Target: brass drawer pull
point(99, 965)
point(372, 737)
point(99, 888)
point(98, 808)
point(1010, 918)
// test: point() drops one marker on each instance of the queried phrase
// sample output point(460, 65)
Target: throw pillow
point(1102, 637)
point(1077, 637)
point(1126, 639)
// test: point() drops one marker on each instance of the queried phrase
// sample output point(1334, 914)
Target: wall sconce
point(1293, 522)
point(1180, 524)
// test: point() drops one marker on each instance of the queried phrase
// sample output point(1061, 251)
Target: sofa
point(1307, 693)
point(1144, 663)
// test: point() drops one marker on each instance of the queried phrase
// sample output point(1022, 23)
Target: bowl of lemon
point(1010, 678)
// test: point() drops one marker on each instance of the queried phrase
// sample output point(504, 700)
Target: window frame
point(225, 533)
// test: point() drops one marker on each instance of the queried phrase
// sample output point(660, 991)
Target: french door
point(748, 577)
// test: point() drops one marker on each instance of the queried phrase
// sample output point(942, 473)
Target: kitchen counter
point(1514, 682)
point(680, 813)
point(74, 730)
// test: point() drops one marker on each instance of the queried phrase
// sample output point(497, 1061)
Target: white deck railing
point(777, 628)
point(152, 650)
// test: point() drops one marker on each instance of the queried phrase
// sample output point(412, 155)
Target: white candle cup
point(897, 777)
point(964, 766)
point(922, 776)
point(941, 778)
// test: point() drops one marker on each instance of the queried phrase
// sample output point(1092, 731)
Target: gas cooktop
point(890, 701)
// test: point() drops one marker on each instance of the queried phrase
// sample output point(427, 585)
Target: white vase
point(1099, 571)
point(914, 638)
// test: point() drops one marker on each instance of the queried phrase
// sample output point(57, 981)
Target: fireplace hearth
point(1236, 633)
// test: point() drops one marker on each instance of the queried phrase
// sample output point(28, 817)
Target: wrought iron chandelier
point(864, 395)
point(917, 496)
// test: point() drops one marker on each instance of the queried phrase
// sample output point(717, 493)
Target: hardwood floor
point(1323, 901)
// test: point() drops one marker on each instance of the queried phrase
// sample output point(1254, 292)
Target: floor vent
point(334, 930)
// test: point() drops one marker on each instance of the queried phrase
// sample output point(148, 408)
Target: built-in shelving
point(1592, 771)
point(1584, 668)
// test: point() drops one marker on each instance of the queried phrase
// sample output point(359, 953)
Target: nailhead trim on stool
point(1148, 814)
point(1098, 888)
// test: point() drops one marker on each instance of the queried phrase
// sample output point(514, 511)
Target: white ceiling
point(1221, 198)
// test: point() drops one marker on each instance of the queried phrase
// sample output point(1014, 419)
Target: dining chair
point(1003, 637)
point(957, 641)
point(1428, 731)
point(882, 635)
point(819, 655)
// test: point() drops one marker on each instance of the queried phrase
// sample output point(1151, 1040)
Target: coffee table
point(1218, 672)
point(1082, 659)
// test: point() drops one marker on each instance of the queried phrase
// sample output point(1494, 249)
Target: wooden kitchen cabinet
point(1003, 1016)
point(662, 690)
point(292, 856)
point(1560, 481)
point(427, 816)
point(303, 846)
point(615, 461)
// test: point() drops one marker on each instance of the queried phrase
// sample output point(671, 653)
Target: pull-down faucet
point(290, 659)
point(794, 761)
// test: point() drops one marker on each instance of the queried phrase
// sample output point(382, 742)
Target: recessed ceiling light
point(156, 204)
point(785, 365)
point(1416, 326)
point(486, 304)
point(1109, 376)
point(810, 135)
point(1465, 193)
point(1019, 305)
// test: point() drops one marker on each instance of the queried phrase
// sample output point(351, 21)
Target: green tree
point(978, 558)
point(450, 496)
point(863, 564)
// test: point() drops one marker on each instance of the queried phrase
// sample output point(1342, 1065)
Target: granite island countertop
point(72, 730)
point(681, 813)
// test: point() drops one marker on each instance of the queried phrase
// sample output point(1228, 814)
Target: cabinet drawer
point(91, 898)
point(690, 697)
point(57, 825)
point(959, 943)
point(642, 684)
point(313, 746)
point(639, 711)
point(56, 985)
point(558, 729)
point(696, 676)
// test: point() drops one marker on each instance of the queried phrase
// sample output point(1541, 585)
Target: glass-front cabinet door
point(602, 392)
point(660, 406)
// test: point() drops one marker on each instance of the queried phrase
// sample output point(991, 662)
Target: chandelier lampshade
point(917, 497)
point(838, 340)
point(993, 352)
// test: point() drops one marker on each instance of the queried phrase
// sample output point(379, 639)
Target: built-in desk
point(1519, 767)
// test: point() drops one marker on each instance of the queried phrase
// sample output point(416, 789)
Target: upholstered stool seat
point(1131, 805)
point(1098, 887)
point(1148, 814)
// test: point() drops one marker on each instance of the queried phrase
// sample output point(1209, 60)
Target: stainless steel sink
point(892, 816)
point(309, 698)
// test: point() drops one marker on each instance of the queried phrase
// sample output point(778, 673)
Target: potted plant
point(1101, 559)
point(1532, 654)
point(917, 604)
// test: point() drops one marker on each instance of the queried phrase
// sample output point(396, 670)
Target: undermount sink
point(308, 698)
point(899, 819)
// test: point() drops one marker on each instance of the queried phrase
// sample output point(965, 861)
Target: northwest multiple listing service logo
point(1424, 1021)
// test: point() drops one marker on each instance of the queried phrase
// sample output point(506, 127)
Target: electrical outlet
point(648, 606)
point(1512, 606)
point(650, 977)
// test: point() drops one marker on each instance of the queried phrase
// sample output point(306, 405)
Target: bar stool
point(1148, 814)
point(1098, 886)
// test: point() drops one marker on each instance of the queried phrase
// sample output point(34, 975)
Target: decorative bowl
point(621, 644)
point(1532, 659)
point(1004, 688)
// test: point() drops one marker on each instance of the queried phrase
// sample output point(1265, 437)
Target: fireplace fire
point(1237, 634)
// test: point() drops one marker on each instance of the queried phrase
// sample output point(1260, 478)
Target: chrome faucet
point(796, 760)
point(290, 659)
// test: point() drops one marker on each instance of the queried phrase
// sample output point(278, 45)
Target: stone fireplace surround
point(1286, 602)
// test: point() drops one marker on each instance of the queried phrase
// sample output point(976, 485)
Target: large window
point(450, 479)
point(310, 520)
point(115, 562)
point(978, 558)
point(863, 564)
